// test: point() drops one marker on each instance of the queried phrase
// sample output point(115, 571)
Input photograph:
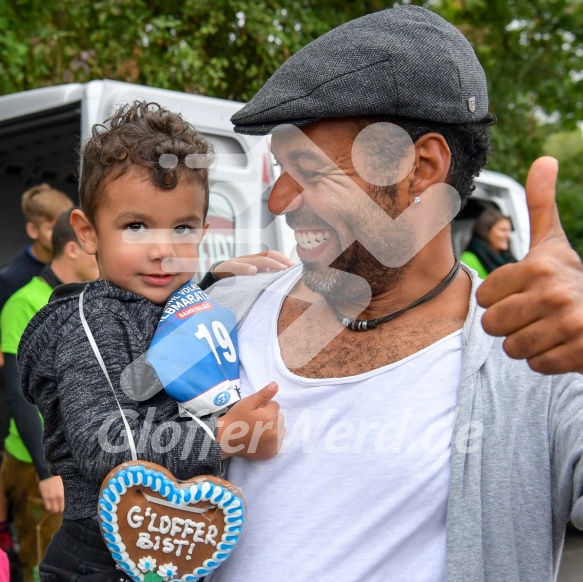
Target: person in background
point(4, 567)
point(489, 247)
point(41, 206)
point(24, 471)
point(7, 549)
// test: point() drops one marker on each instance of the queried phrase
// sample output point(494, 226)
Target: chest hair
point(318, 346)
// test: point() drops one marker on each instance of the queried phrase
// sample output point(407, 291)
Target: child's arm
point(252, 264)
point(253, 428)
point(264, 262)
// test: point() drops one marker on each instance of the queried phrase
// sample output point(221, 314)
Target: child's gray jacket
point(84, 437)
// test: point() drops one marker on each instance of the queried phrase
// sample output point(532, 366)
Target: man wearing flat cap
point(433, 432)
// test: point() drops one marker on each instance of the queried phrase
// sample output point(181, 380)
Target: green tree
point(227, 49)
point(532, 53)
point(567, 147)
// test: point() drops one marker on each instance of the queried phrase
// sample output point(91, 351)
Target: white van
point(41, 132)
point(506, 195)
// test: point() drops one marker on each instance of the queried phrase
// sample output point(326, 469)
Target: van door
point(39, 141)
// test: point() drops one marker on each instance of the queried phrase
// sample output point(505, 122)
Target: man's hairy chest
point(314, 345)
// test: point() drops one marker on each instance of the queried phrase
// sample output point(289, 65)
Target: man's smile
point(310, 239)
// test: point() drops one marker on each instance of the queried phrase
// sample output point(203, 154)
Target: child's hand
point(252, 264)
point(254, 427)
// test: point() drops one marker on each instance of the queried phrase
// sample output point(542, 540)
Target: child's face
point(147, 239)
point(41, 233)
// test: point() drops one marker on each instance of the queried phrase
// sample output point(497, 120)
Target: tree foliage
point(531, 50)
point(567, 147)
point(532, 53)
point(224, 49)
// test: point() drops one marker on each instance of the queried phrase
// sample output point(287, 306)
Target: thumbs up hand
point(537, 303)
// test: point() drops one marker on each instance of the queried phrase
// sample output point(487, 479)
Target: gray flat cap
point(404, 61)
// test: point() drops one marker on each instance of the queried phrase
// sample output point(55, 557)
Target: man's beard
point(352, 277)
point(356, 275)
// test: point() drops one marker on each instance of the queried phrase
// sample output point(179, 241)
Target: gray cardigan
point(516, 468)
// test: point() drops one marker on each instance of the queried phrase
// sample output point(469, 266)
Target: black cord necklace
point(366, 324)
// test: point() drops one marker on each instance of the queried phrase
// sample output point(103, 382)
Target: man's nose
point(286, 195)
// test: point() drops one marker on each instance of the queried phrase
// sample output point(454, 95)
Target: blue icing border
point(225, 500)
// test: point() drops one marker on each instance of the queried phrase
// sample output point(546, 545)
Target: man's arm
point(565, 421)
point(537, 303)
point(29, 426)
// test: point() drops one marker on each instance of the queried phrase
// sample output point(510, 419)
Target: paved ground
point(572, 563)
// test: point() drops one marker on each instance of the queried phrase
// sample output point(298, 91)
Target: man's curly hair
point(149, 137)
point(469, 144)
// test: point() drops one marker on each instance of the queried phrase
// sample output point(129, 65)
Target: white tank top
point(359, 491)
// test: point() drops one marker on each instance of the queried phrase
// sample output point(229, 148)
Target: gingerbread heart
point(159, 528)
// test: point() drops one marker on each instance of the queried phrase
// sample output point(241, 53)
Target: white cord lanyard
point(102, 365)
point(97, 353)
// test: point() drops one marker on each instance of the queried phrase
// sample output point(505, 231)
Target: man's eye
point(136, 227)
point(307, 174)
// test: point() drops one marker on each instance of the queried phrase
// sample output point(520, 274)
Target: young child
point(41, 206)
point(144, 223)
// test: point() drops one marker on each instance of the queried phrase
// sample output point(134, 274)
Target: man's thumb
point(263, 396)
point(540, 197)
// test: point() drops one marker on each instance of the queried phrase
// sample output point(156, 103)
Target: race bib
point(195, 352)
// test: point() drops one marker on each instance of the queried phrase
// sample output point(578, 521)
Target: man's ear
point(85, 231)
point(31, 230)
point(432, 162)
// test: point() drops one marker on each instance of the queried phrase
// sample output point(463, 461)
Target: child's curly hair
point(150, 137)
